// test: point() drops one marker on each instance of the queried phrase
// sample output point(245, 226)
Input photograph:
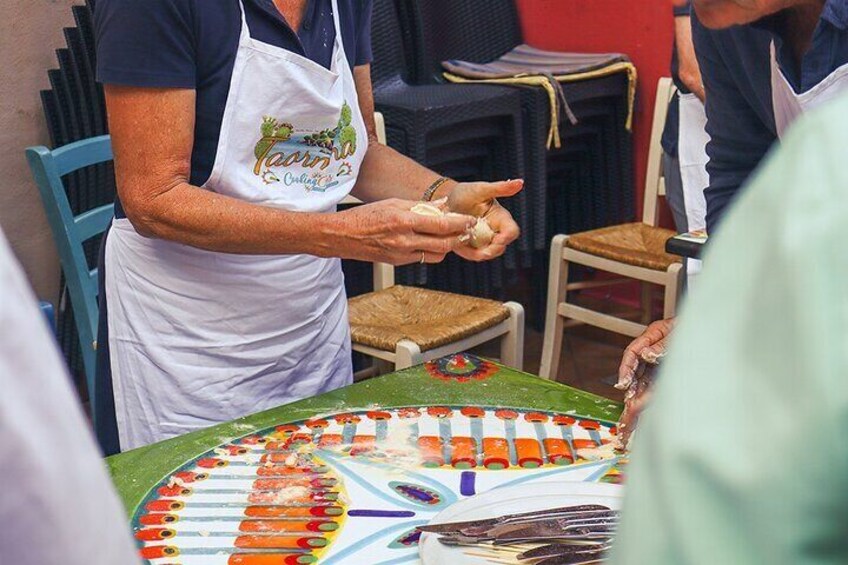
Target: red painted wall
point(643, 29)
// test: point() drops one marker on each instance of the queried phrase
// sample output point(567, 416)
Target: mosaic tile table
point(345, 477)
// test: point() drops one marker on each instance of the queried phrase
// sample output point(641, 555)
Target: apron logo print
point(317, 182)
point(345, 170)
point(279, 147)
point(269, 177)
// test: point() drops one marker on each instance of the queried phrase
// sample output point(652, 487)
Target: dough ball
point(427, 209)
point(481, 234)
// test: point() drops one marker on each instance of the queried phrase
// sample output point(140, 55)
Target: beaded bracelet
point(431, 190)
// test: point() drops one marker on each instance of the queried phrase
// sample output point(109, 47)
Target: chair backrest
point(387, 44)
point(74, 109)
point(384, 274)
point(71, 231)
point(471, 30)
point(655, 181)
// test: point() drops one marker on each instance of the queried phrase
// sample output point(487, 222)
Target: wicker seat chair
point(634, 250)
point(404, 326)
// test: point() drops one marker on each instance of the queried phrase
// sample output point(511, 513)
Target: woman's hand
point(635, 374)
point(479, 199)
point(387, 232)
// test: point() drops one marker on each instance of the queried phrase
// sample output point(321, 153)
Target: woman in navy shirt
point(237, 126)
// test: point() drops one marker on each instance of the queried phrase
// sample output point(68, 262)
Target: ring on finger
point(423, 257)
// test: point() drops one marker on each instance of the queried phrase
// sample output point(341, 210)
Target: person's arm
point(152, 136)
point(635, 374)
point(385, 173)
point(689, 72)
point(738, 137)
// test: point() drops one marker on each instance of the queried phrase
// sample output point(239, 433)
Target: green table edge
point(135, 472)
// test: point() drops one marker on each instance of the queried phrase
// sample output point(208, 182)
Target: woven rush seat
point(428, 318)
point(635, 244)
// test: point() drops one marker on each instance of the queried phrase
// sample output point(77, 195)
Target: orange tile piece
point(529, 452)
point(431, 450)
point(464, 452)
point(557, 449)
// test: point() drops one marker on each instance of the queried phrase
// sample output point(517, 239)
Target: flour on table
point(290, 494)
point(606, 451)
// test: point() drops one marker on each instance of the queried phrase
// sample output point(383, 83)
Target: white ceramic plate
point(512, 500)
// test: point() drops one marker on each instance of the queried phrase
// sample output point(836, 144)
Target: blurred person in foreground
point(58, 506)
point(763, 63)
point(741, 457)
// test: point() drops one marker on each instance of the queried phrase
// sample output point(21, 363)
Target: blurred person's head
point(725, 13)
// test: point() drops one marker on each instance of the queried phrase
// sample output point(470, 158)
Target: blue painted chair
point(70, 232)
point(49, 314)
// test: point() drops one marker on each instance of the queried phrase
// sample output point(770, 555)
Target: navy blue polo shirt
point(193, 44)
point(735, 68)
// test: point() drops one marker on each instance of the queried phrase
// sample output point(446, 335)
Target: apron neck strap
point(245, 31)
point(336, 21)
point(339, 46)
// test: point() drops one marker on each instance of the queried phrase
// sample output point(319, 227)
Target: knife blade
point(486, 524)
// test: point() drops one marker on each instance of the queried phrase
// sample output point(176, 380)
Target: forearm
point(200, 218)
point(385, 173)
point(689, 72)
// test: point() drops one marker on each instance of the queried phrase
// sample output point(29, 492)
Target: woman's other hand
point(479, 199)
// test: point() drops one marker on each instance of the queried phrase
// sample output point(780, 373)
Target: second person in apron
point(763, 66)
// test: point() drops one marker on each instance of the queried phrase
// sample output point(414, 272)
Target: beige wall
point(30, 32)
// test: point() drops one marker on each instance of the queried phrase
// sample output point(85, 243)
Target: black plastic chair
point(483, 30)
point(470, 132)
point(414, 113)
point(74, 109)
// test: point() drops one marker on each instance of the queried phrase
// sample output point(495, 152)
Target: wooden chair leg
point(512, 342)
point(647, 303)
point(557, 280)
point(407, 354)
point(673, 286)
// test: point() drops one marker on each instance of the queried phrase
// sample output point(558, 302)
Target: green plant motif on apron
point(279, 147)
point(272, 132)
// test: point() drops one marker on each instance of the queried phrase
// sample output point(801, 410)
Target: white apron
point(788, 105)
point(198, 337)
point(692, 154)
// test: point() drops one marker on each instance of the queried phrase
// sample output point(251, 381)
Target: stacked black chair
point(74, 109)
point(465, 132)
point(586, 184)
